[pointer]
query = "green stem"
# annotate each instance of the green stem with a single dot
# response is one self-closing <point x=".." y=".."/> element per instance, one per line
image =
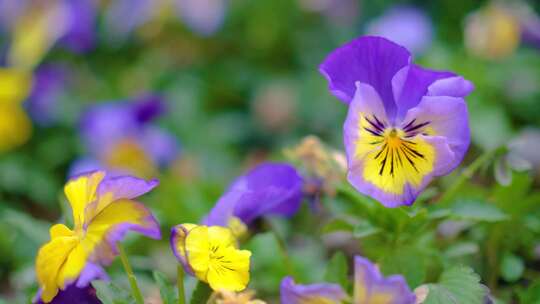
<point x="467" y="174"/>
<point x="180" y="285"/>
<point x="131" y="276"/>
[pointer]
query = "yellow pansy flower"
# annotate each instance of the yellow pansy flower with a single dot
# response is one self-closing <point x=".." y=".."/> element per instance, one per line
<point x="212" y="255"/>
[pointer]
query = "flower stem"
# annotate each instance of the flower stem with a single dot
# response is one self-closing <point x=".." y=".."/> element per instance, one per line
<point x="131" y="276"/>
<point x="468" y="173"/>
<point x="180" y="285"/>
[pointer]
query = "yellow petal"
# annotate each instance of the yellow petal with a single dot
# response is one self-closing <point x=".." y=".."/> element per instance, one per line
<point x="198" y="251"/>
<point x="80" y="192"/>
<point x="35" y="34"/>
<point x="229" y="269"/>
<point x="14" y="85"/>
<point x="220" y="237"/>
<point x="60" y="230"/>
<point x="50" y="259"/>
<point x="107" y="228"/>
<point x="15" y="126"/>
<point x="73" y="265"/>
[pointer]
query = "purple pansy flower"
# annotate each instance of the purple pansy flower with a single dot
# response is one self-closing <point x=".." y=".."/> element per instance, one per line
<point x="268" y="189"/>
<point x="80" y="34"/>
<point x="405" y="124"/>
<point x="370" y="287"/>
<point x="119" y="137"/>
<point x="48" y="86"/>
<point x="407" y="26"/>
<point x="292" y="293"/>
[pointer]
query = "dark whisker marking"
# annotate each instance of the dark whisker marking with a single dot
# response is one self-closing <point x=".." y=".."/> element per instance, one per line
<point x="376" y="142"/>
<point x="399" y="158"/>
<point x="383" y="162"/>
<point x="392" y="162"/>
<point x="376" y="126"/>
<point x="372" y="132"/>
<point x="416" y="127"/>
<point x="382" y="125"/>
<point x="413" y="151"/>
<point x="410" y="160"/>
<point x="381" y="151"/>
<point x="409" y="124"/>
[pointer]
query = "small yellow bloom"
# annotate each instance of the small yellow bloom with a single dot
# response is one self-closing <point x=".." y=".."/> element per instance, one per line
<point x="493" y="32"/>
<point x="211" y="254"/>
<point x="36" y="32"/>
<point x="15" y="126"/>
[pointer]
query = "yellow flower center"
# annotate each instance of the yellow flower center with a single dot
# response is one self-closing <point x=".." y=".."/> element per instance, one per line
<point x="394" y="156"/>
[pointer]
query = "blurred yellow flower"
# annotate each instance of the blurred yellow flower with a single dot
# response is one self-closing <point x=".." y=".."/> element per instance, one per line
<point x="229" y="297"/>
<point x="211" y="254"/>
<point x="36" y="32"/>
<point x="493" y="32"/>
<point x="15" y="126"/>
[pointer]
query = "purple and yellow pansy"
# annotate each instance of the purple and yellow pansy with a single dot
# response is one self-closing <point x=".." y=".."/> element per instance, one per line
<point x="103" y="212"/>
<point x="405" y="124"/>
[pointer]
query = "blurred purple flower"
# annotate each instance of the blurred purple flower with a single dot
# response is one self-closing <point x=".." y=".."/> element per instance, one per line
<point x="49" y="82"/>
<point x="268" y="189"/>
<point x="371" y="287"/>
<point x="81" y="33"/>
<point x="404" y="25"/>
<point x="204" y="17"/>
<point x="119" y="136"/>
<point x="292" y="293"/>
<point x="405" y="125"/>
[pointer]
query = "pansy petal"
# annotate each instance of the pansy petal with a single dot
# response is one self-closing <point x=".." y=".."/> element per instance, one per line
<point x="292" y="293"/>
<point x="178" y="244"/>
<point x="456" y="86"/>
<point x="371" y="287"/>
<point x="91" y="272"/>
<point x="197" y="249"/>
<point x="74" y="294"/>
<point x="161" y="147"/>
<point x="49" y="261"/>
<point x="231" y="272"/>
<point x="118" y="187"/>
<point x="370" y="60"/>
<point x="14" y="85"/>
<point x="112" y="223"/>
<point x="60" y="230"/>
<point x="410" y="89"/>
<point x="268" y="189"/>
<point x="448" y="117"/>
<point x="81" y="191"/>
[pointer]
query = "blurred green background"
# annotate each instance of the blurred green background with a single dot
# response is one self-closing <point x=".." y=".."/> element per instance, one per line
<point x="240" y="95"/>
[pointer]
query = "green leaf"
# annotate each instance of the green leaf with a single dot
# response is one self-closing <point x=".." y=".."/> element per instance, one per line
<point x="531" y="294"/>
<point x="201" y="294"/>
<point x="512" y="267"/>
<point x="364" y="229"/>
<point x="409" y="261"/>
<point x="478" y="211"/>
<point x="336" y="225"/>
<point x="457" y="285"/>
<point x="109" y="293"/>
<point x="337" y="270"/>
<point x="165" y="289"/>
